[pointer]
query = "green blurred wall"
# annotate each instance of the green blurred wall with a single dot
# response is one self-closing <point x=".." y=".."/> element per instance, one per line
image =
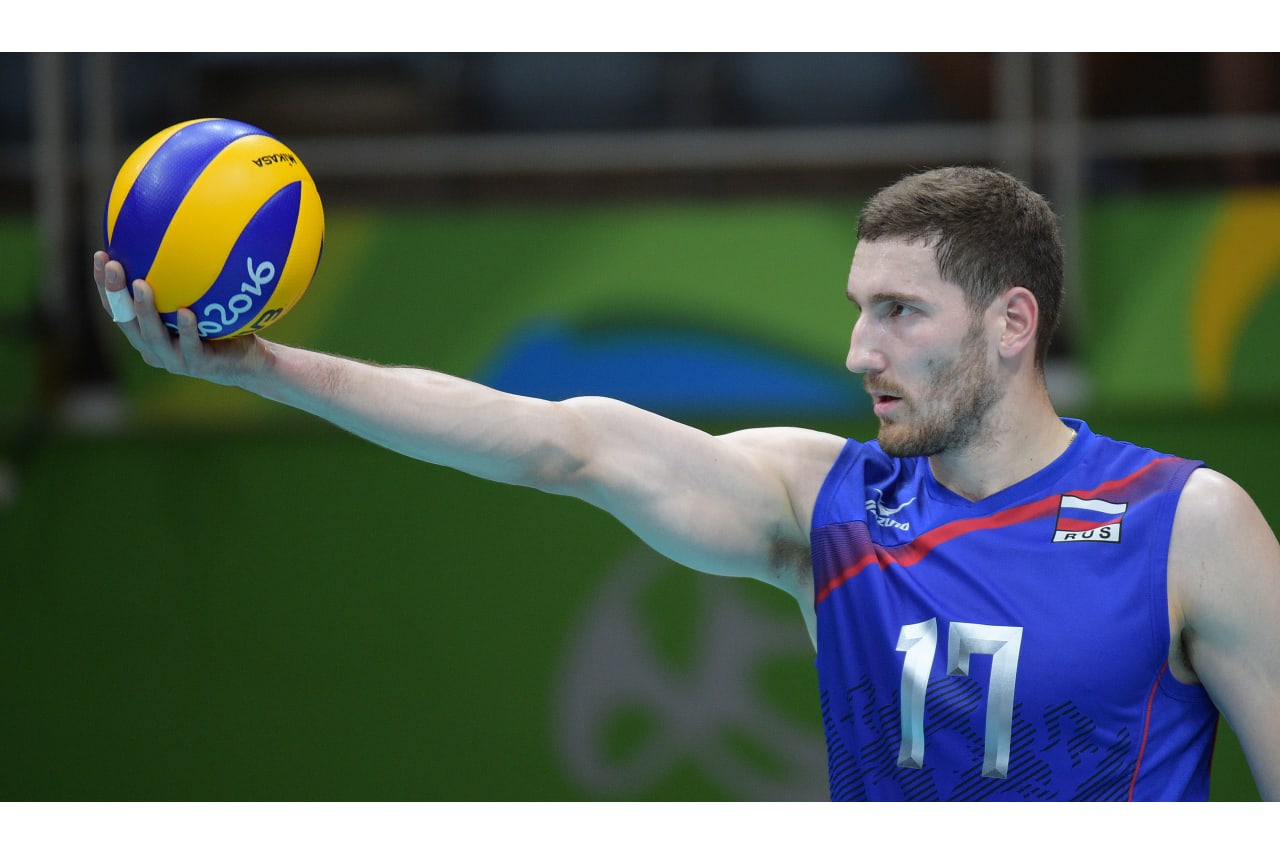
<point x="225" y="600"/>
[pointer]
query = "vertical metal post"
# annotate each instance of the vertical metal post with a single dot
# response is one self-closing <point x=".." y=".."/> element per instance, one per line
<point x="1066" y="176"/>
<point x="100" y="137"/>
<point x="51" y="146"/>
<point x="78" y="373"/>
<point x="1014" y="114"/>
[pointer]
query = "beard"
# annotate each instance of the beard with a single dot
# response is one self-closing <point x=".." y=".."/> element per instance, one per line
<point x="953" y="405"/>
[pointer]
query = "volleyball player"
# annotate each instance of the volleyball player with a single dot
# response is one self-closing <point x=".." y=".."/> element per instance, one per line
<point x="1004" y="604"/>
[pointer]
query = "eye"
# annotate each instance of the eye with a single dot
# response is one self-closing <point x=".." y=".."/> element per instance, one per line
<point x="898" y="309"/>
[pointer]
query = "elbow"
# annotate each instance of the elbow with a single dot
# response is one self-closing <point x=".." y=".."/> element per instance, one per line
<point x="551" y="468"/>
<point x="555" y="457"/>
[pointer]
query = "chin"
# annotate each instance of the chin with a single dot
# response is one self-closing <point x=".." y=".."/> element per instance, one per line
<point x="900" y="440"/>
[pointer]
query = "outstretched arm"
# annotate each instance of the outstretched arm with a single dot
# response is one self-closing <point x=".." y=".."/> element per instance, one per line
<point x="737" y="504"/>
<point x="1224" y="591"/>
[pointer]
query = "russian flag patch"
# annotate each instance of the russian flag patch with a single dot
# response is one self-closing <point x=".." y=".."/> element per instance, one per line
<point x="1081" y="520"/>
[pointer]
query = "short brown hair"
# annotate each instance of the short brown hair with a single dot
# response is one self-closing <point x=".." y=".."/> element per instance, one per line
<point x="989" y="231"/>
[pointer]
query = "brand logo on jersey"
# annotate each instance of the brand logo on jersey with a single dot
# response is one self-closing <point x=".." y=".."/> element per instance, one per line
<point x="1081" y="520"/>
<point x="884" y="514"/>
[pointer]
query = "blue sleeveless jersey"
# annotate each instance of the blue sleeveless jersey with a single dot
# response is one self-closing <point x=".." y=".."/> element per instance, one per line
<point x="1013" y="648"/>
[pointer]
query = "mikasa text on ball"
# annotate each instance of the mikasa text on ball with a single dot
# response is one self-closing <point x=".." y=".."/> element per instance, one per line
<point x="220" y="217"/>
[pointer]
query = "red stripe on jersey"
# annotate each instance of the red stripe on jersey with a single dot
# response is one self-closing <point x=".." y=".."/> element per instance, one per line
<point x="1146" y="730"/>
<point x="910" y="553"/>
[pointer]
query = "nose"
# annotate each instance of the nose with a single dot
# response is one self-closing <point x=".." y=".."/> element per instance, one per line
<point x="863" y="356"/>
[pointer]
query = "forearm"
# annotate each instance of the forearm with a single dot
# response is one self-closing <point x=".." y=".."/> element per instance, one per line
<point x="420" y="413"/>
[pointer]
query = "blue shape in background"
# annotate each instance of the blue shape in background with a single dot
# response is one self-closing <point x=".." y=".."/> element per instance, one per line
<point x="680" y="372"/>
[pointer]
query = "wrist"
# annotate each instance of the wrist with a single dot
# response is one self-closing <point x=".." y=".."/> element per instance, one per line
<point x="260" y="369"/>
<point x="289" y="375"/>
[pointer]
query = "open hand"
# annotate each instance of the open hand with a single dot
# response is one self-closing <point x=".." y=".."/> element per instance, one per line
<point x="226" y="362"/>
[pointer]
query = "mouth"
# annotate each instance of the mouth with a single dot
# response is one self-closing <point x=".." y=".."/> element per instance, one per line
<point x="884" y="404"/>
<point x="883" y="401"/>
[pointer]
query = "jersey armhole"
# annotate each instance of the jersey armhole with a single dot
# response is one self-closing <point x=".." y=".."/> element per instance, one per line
<point x="1171" y="494"/>
<point x="831" y="484"/>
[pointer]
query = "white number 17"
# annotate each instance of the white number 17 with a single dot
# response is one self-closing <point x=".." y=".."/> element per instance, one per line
<point x="920" y="642"/>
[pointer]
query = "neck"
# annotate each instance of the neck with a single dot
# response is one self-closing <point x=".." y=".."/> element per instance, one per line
<point x="1016" y="443"/>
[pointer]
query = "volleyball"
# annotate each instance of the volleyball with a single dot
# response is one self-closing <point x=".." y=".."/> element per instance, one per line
<point x="220" y="217"/>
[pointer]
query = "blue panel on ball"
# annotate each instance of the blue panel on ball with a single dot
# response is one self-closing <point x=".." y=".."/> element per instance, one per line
<point x="161" y="186"/>
<point x="253" y="269"/>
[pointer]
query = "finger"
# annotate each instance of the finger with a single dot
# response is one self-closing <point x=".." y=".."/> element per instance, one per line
<point x="119" y="301"/>
<point x="154" y="341"/>
<point x="100" y="260"/>
<point x="189" y="341"/>
<point x="100" y="278"/>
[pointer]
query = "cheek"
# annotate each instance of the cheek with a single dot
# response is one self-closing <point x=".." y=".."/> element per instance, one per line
<point x="934" y="367"/>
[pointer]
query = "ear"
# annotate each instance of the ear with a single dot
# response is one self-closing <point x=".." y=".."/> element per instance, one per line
<point x="1019" y="318"/>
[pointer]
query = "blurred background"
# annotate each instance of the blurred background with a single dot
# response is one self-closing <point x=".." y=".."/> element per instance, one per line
<point x="205" y="596"/>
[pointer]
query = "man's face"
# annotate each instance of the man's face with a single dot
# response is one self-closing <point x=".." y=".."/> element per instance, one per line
<point x="925" y="358"/>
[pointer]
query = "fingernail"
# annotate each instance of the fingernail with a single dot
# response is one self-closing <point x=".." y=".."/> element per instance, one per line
<point x="97" y="264"/>
<point x="113" y="275"/>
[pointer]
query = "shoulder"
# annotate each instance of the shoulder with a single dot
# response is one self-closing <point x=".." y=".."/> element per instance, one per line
<point x="800" y="458"/>
<point x="1224" y="559"/>
<point x="798" y="455"/>
<point x="1212" y="511"/>
<point x="794" y="444"/>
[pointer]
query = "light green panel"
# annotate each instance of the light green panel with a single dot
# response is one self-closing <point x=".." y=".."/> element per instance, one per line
<point x="1141" y="258"/>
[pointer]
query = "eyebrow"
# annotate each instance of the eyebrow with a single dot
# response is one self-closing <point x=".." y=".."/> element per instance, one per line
<point x="883" y="296"/>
